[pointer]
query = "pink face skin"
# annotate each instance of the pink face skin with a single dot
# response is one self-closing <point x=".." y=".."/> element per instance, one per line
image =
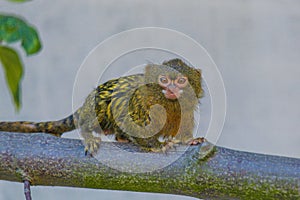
<point x="172" y="89"/>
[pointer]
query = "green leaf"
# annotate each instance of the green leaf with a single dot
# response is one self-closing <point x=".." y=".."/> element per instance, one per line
<point x="13" y="29"/>
<point x="19" y="1"/>
<point x="13" y="69"/>
<point x="30" y="43"/>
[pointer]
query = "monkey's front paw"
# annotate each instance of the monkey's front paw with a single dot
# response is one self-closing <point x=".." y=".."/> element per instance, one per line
<point x="196" y="141"/>
<point x="92" y="145"/>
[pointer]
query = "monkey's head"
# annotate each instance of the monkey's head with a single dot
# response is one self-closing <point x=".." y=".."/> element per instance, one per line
<point x="174" y="78"/>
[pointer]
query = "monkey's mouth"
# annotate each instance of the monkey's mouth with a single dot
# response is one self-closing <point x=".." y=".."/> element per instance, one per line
<point x="172" y="94"/>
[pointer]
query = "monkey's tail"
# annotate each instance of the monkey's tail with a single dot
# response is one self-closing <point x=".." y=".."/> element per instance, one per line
<point x="56" y="128"/>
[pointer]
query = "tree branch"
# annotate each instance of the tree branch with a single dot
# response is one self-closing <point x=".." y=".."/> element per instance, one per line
<point x="197" y="171"/>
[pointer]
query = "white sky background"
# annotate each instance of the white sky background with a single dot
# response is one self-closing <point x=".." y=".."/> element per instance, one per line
<point x="255" y="44"/>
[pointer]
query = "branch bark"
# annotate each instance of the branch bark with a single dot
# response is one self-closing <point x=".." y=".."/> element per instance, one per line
<point x="199" y="171"/>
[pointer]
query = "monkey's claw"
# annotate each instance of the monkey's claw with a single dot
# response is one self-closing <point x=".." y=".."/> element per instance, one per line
<point x="197" y="141"/>
<point x="172" y="144"/>
<point x="168" y="146"/>
<point x="92" y="145"/>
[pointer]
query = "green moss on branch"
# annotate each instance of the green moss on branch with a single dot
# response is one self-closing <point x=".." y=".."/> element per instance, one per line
<point x="198" y="171"/>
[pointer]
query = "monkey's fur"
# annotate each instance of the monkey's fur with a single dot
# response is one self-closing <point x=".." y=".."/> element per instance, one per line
<point x="125" y="107"/>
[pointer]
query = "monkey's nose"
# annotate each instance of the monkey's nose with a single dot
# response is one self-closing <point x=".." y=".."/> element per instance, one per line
<point x="172" y="87"/>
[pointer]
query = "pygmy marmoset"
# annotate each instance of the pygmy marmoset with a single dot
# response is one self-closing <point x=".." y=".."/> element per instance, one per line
<point x="138" y="108"/>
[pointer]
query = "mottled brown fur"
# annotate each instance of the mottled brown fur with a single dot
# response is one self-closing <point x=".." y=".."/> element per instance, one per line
<point x="127" y="107"/>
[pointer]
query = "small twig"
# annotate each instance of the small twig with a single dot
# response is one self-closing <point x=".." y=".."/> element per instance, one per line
<point x="27" y="190"/>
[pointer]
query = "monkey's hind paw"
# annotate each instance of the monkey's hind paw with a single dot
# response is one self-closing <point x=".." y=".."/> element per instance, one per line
<point x="168" y="145"/>
<point x="196" y="141"/>
<point x="92" y="145"/>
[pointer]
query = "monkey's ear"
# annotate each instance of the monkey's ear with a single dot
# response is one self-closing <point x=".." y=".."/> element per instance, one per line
<point x="150" y="73"/>
<point x="199" y="71"/>
<point x="148" y="67"/>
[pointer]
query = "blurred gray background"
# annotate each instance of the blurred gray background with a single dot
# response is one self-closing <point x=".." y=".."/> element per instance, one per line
<point x="255" y="45"/>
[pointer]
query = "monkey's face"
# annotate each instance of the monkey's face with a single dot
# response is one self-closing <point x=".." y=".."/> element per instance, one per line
<point x="172" y="85"/>
<point x="174" y="79"/>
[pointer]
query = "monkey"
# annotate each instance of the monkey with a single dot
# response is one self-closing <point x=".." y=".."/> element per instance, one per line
<point x="139" y="108"/>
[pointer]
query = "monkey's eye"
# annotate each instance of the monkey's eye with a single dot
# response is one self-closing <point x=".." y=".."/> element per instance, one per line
<point x="163" y="80"/>
<point x="181" y="80"/>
